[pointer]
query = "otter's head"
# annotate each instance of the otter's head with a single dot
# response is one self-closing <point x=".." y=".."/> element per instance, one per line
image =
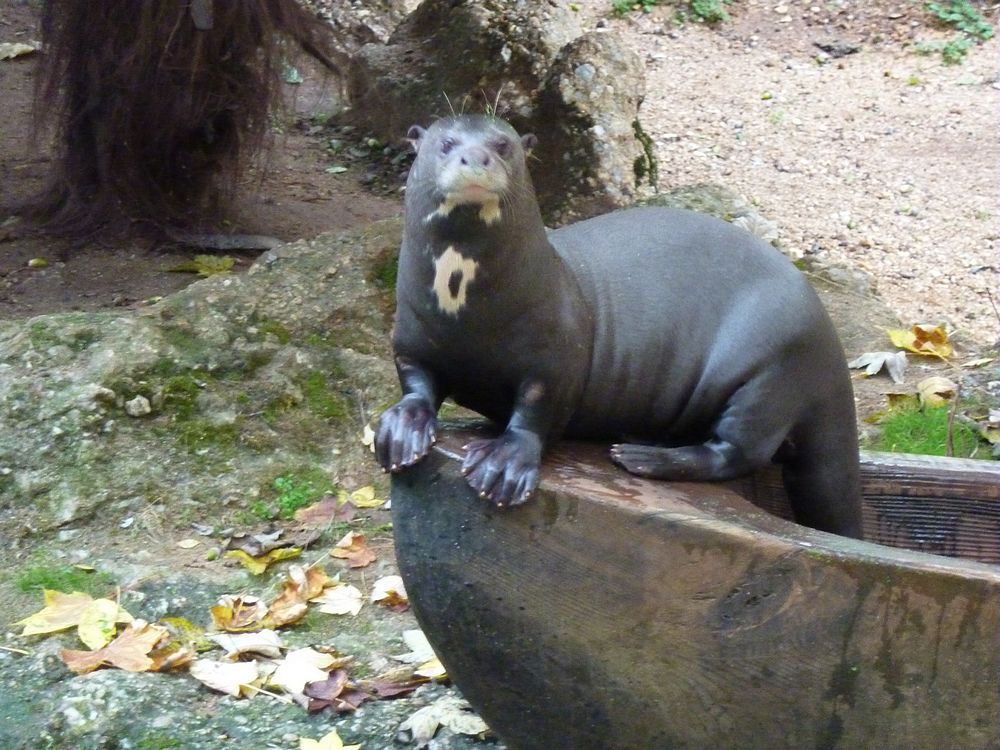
<point x="472" y="160"/>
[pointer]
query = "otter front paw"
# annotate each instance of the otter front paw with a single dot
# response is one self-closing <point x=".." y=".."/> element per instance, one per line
<point x="406" y="433"/>
<point x="504" y="470"/>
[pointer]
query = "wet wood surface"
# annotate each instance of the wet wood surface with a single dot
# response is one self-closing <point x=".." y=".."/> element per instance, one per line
<point x="615" y="612"/>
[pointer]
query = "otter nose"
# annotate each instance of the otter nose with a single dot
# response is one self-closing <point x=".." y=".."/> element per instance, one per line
<point x="476" y="156"/>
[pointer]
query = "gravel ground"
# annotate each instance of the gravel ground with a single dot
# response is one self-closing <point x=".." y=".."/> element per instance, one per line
<point x="883" y="159"/>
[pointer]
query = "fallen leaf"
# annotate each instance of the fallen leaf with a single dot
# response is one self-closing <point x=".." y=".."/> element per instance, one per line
<point x="227" y="677"/>
<point x="187" y="633"/>
<point x="10" y="50"/>
<point x="188" y="543"/>
<point x="365" y="498"/>
<point x="257" y="565"/>
<point x="329" y="741"/>
<point x="325" y="512"/>
<point x="354" y="550"/>
<point x="432" y="669"/>
<point x="206" y="265"/>
<point x="340" y="599"/>
<point x="894" y="363"/>
<point x="335" y="692"/>
<point x="256" y="545"/>
<point x="264" y="642"/>
<point x="299" y="667"/>
<point x="98" y="623"/>
<point x="922" y="339"/>
<point x="368" y="437"/>
<point x="390" y="592"/>
<point x="64" y="611"/>
<point x="935" y="391"/>
<point x="171" y="655"/>
<point x="420" y="647"/>
<point x="302" y="585"/>
<point x="129" y="651"/>
<point x="239" y="613"/>
<point x="450" y="711"/>
<point x="982" y="361"/>
<point x="395" y="684"/>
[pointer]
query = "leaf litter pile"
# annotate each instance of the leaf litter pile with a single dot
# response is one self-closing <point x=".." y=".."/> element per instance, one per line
<point x="254" y="659"/>
<point x="932" y="392"/>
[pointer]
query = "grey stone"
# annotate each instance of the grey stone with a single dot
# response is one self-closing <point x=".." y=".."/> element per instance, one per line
<point x="579" y="94"/>
<point x="263" y="371"/>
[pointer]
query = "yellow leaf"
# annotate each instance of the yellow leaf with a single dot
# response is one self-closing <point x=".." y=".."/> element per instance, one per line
<point x="258" y="565"/>
<point x="432" y="669"/>
<point x="98" y="623"/>
<point x="188" y="543"/>
<point x="330" y="741"/>
<point x="922" y="339"/>
<point x="61" y="612"/>
<point x="64" y="611"/>
<point x="365" y="498"/>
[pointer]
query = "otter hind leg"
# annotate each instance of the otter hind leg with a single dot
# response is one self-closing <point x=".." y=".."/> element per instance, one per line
<point x="713" y="461"/>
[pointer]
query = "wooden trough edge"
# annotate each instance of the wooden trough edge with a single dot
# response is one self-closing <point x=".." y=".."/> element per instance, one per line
<point x="612" y="611"/>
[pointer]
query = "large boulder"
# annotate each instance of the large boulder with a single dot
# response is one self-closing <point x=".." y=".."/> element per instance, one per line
<point x="530" y="63"/>
<point x="205" y="397"/>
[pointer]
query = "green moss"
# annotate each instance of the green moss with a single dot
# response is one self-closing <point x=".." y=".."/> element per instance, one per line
<point x="196" y="434"/>
<point x="65" y="578"/>
<point x="646" y="167"/>
<point x="180" y="394"/>
<point x="275" y="329"/>
<point x="293" y="490"/>
<point x="925" y="431"/>
<point x="320" y="399"/>
<point x="157" y="741"/>
<point x="43" y="336"/>
<point x="386" y="269"/>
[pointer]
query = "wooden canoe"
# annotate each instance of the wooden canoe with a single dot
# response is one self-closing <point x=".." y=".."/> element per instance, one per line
<point x="614" y="612"/>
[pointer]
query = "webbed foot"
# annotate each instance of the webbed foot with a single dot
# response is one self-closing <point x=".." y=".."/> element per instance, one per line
<point x="406" y="433"/>
<point x="504" y="470"/>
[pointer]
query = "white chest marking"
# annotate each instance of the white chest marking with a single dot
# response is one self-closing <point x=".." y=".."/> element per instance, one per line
<point x="489" y="211"/>
<point x="453" y="273"/>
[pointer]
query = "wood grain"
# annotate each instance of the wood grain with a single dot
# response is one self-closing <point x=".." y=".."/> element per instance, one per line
<point x="613" y="612"/>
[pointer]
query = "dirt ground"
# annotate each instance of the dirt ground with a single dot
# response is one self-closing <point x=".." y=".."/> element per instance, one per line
<point x="289" y="196"/>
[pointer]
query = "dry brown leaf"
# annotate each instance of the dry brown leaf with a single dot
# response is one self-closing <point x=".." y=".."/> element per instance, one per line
<point x="302" y="585"/>
<point x="390" y="592"/>
<point x="935" y="391"/>
<point x="129" y="651"/>
<point x="327" y="511"/>
<point x="238" y="613"/>
<point x="355" y="550"/>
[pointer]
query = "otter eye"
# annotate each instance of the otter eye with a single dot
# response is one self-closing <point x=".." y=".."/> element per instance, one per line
<point x="448" y="144"/>
<point x="502" y="147"/>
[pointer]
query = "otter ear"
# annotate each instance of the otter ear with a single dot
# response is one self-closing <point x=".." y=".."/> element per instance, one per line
<point x="528" y="142"/>
<point x="414" y="136"/>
